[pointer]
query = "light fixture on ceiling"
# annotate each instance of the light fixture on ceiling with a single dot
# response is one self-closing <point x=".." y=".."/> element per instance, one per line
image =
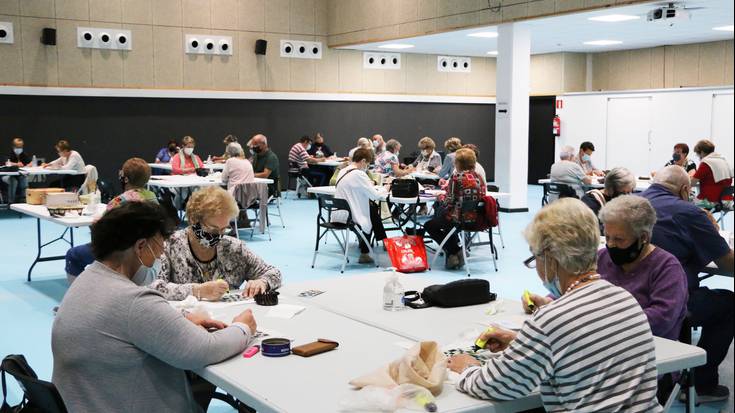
<point x="485" y="35"/>
<point x="493" y="53"/>
<point x="614" y="18"/>
<point x="724" y="28"/>
<point x="395" y="46"/>
<point x="603" y="42"/>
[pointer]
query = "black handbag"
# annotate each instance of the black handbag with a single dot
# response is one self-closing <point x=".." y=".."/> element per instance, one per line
<point x="458" y="293"/>
<point x="12" y="168"/>
<point x="404" y="188"/>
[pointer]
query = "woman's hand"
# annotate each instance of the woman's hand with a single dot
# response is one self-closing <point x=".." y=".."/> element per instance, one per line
<point x="246" y="317"/>
<point x="211" y="290"/>
<point x="538" y="300"/>
<point x="255" y="287"/>
<point x="206" y="323"/>
<point x="497" y="339"/>
<point x="458" y="363"/>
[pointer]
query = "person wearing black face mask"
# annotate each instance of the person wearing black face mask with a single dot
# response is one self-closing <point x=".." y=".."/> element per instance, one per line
<point x="681" y="157"/>
<point x="265" y="162"/>
<point x="167" y="152"/>
<point x="202" y="260"/>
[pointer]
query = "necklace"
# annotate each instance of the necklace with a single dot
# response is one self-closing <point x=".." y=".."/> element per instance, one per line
<point x="582" y="280"/>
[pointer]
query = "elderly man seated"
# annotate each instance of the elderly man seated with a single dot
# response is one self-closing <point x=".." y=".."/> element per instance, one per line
<point x="566" y="171"/>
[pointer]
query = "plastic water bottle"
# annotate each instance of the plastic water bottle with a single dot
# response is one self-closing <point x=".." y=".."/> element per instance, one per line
<point x="393" y="293"/>
<point x="34" y="161"/>
<point x="209" y="159"/>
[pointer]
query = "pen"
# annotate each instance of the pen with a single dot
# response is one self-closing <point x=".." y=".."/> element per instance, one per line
<point x="480" y="343"/>
<point x="529" y="301"/>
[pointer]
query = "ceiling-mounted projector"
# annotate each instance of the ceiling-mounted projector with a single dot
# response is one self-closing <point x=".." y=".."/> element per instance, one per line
<point x="670" y="13"/>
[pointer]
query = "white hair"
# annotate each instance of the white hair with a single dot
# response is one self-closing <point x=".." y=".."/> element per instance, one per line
<point x="619" y="180"/>
<point x="673" y="177"/>
<point x="633" y="211"/>
<point x="234" y="149"/>
<point x="364" y="143"/>
<point x="566" y="153"/>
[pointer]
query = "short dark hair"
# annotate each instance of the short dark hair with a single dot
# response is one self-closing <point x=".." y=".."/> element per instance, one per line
<point x="683" y="147"/>
<point x="305" y="138"/>
<point x="587" y="146"/>
<point x="63" y="145"/>
<point x="172" y="141"/>
<point x="704" y="146"/>
<point x="363" y="153"/>
<point x="120" y="228"/>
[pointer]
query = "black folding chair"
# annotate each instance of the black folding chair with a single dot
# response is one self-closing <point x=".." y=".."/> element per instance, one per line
<point x="38" y="395"/>
<point x="554" y="191"/>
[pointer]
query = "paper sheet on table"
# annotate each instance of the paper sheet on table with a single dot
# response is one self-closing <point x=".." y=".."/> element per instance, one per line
<point x="285" y="311"/>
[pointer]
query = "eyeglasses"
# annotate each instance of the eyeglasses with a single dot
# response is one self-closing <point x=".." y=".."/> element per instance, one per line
<point x="530" y="262"/>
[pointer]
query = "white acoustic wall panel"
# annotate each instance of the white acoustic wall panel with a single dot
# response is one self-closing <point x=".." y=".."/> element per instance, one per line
<point x="6" y="32"/>
<point x="100" y="38"/>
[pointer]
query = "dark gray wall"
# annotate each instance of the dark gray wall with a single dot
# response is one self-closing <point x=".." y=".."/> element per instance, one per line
<point x="107" y="131"/>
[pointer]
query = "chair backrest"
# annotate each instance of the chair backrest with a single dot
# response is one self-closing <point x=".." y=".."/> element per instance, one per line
<point x="560" y="190"/>
<point x="294" y="168"/>
<point x="329" y="204"/>
<point x="493" y="188"/>
<point x="727" y="193"/>
<point x="40" y="395"/>
<point x="479" y="222"/>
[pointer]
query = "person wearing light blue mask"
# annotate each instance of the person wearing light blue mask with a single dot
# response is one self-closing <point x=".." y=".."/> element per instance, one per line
<point x="17" y="184"/>
<point x="147" y="273"/>
<point x="584" y="159"/>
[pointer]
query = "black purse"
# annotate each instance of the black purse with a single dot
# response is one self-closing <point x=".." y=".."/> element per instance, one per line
<point x="458" y="293"/>
<point x="404" y="188"/>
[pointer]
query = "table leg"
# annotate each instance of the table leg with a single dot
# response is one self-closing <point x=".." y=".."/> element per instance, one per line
<point x="40" y="246"/>
<point x="692" y="393"/>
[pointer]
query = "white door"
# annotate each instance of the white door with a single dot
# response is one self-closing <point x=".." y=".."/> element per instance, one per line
<point x="723" y="131"/>
<point x="628" y="140"/>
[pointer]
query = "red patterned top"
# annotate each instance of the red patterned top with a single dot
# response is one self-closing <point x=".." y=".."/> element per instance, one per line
<point x="462" y="187"/>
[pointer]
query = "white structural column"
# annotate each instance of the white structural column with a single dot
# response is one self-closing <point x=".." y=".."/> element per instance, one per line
<point x="511" y="114"/>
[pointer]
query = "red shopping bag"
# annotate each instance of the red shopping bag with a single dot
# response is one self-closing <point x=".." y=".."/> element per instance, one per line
<point x="407" y="253"/>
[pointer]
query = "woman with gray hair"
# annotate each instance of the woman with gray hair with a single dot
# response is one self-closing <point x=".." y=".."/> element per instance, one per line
<point x="619" y="181"/>
<point x="589" y="350"/>
<point x="238" y="170"/>
<point x="653" y="276"/>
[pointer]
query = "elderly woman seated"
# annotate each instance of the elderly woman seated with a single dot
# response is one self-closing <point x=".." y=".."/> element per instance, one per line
<point x="202" y="261"/>
<point x="590" y="350"/>
<point x="619" y="181"/>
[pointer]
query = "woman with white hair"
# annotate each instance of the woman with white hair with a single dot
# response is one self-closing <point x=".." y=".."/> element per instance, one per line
<point x="590" y="350"/>
<point x="619" y="181"/>
<point x="238" y="170"/>
<point x="361" y="143"/>
<point x="629" y="260"/>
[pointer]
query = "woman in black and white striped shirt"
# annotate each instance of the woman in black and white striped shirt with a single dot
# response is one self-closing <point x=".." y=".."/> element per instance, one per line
<point x="591" y="350"/>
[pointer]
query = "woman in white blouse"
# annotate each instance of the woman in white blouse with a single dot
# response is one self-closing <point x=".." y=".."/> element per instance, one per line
<point x="68" y="159"/>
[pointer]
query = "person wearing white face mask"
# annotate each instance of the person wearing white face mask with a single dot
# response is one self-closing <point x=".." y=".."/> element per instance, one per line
<point x="429" y="160"/>
<point x="186" y="162"/>
<point x="584" y="159"/>
<point x="589" y="350"/>
<point x="19" y="183"/>
<point x="378" y="144"/>
<point x="108" y="323"/>
<point x="298" y="157"/>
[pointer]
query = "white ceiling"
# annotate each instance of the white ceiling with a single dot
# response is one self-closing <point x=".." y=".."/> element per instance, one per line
<point x="566" y="33"/>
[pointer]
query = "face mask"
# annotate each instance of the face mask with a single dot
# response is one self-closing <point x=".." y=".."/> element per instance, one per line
<point x="554" y="287"/>
<point x="206" y="239"/>
<point x="426" y="152"/>
<point x="255" y="149"/>
<point x="376" y="144"/>
<point x="621" y="256"/>
<point x="123" y="182"/>
<point x="308" y="147"/>
<point x="676" y="157"/>
<point x="586" y="158"/>
<point x="188" y="151"/>
<point x="18" y="151"/>
<point x="146" y="275"/>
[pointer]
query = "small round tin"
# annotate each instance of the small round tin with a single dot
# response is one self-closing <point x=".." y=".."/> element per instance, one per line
<point x="275" y="347"/>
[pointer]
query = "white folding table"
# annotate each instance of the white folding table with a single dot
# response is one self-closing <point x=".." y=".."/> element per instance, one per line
<point x="40" y="212"/>
<point x="167" y="166"/>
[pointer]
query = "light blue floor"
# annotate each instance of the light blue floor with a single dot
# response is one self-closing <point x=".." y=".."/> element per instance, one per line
<point x="26" y="308"/>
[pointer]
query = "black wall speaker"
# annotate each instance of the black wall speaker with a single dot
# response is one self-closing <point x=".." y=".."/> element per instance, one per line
<point x="260" y="46"/>
<point x="48" y="36"/>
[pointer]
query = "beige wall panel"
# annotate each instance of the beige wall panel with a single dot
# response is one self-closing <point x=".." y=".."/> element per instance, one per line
<point x="546" y="73"/>
<point x="390" y="12"/>
<point x="600" y="71"/>
<point x="427" y="9"/>
<point x="350" y="71"/>
<point x="729" y="62"/>
<point x="686" y="65"/>
<point x="167" y="12"/>
<point x="198" y="71"/>
<point x="566" y="5"/>
<point x="457" y="83"/>
<point x="302" y="19"/>
<point x="436" y="82"/>
<point x="321" y="16"/>
<point x="137" y="11"/>
<point x="488" y="16"/>
<point x="105" y="10"/>
<point x="382" y="32"/>
<point x="638" y="69"/>
<point x="226" y="69"/>
<point x="515" y="12"/>
<point x="617" y="76"/>
<point x="277" y="16"/>
<point x="447" y="7"/>
<point x="372" y="80"/>
<point x="575" y="72"/>
<point x="75" y="68"/>
<point x="302" y="71"/>
<point x="541" y="7"/>
<point x="107" y="65"/>
<point x="327" y="71"/>
<point x="11" y="55"/>
<point x="332" y="14"/>
<point x="252" y="15"/>
<point x="138" y="63"/>
<point x="72" y="9"/>
<point x="395" y="80"/>
<point x="657" y="67"/>
<point x="596" y="3"/>
<point x="225" y="15"/>
<point x="427" y="26"/>
<point x="408" y="11"/>
<point x="417" y="71"/>
<point x="712" y="64"/>
<point x="10" y="7"/>
<point x="40" y="62"/>
<point x="668" y="66"/>
<point x="407" y="29"/>
<point x="251" y="66"/>
<point x="277" y="69"/>
<point x="37" y="8"/>
<point x="197" y="13"/>
<point x="168" y="57"/>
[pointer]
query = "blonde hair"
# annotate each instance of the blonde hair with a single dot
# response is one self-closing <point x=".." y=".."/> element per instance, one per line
<point x="452" y="144"/>
<point x="427" y="143"/>
<point x="465" y="159"/>
<point x="187" y="140"/>
<point x="209" y="202"/>
<point x="567" y="229"/>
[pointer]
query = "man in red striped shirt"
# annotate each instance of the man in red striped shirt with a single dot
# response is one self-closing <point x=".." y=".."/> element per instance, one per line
<point x="298" y="157"/>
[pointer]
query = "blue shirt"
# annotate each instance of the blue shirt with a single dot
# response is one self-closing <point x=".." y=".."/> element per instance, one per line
<point x="77" y="259"/>
<point x="684" y="230"/>
<point x="164" y="155"/>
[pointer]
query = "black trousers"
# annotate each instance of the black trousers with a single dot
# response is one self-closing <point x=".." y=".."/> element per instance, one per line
<point x="378" y="228"/>
<point x="713" y="310"/>
<point x="438" y="227"/>
<point x="315" y="176"/>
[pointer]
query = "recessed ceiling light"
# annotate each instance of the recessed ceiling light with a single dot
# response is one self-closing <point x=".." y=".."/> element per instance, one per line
<point x="614" y="18"/>
<point x="493" y="53"/>
<point x="395" y="46"/>
<point x="486" y="35"/>
<point x="724" y="28"/>
<point x="603" y="42"/>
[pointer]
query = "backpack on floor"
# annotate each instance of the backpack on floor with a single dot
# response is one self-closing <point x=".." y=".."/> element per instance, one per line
<point x="39" y="396"/>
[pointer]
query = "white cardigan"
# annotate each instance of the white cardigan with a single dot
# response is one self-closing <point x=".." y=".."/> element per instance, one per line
<point x="358" y="190"/>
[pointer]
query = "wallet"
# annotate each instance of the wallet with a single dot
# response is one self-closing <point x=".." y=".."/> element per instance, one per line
<point x="320" y="346"/>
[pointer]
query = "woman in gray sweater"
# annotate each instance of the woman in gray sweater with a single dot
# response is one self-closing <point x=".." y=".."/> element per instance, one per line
<point x="121" y="347"/>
